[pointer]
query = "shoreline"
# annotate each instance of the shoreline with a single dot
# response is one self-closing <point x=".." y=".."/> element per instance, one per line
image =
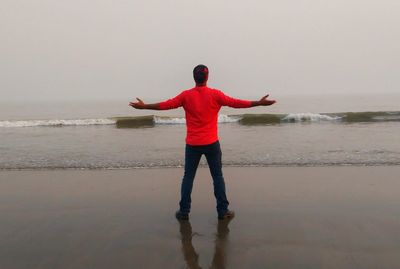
<point x="395" y="164"/>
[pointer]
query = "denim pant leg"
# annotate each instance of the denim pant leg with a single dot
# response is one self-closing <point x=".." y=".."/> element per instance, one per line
<point x="192" y="159"/>
<point x="214" y="160"/>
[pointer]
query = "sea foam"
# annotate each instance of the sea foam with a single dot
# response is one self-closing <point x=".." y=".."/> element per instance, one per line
<point x="181" y="120"/>
<point x="299" y="117"/>
<point x="55" y="122"/>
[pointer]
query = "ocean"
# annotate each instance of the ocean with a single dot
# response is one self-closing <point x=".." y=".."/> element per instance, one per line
<point x="303" y="130"/>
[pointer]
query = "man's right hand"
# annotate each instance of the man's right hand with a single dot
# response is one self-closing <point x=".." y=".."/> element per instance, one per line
<point x="264" y="102"/>
<point x="138" y="105"/>
<point x="141" y="105"/>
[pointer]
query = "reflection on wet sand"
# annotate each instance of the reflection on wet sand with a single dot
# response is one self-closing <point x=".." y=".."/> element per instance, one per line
<point x="306" y="217"/>
<point x="189" y="253"/>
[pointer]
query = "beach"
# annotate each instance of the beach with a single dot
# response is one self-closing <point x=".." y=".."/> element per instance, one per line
<point x="103" y="104"/>
<point x="286" y="217"/>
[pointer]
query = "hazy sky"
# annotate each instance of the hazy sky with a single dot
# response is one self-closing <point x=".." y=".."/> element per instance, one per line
<point x="82" y="49"/>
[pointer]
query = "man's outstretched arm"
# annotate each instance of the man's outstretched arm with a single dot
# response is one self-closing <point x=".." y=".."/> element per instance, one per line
<point x="226" y="100"/>
<point x="168" y="104"/>
<point x="141" y="105"/>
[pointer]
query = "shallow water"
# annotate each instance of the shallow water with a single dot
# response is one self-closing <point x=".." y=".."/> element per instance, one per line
<point x="163" y="146"/>
<point x="86" y="136"/>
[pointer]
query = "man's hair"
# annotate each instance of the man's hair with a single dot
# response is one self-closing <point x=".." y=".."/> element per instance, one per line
<point x="200" y="73"/>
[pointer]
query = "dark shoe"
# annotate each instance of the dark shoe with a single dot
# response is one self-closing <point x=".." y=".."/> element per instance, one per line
<point x="228" y="215"/>
<point x="181" y="216"/>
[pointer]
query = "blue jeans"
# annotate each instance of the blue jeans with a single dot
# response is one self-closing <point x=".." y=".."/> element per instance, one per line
<point x="192" y="158"/>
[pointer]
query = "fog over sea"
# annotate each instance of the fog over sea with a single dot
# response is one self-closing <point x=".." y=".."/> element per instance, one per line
<point x="306" y="130"/>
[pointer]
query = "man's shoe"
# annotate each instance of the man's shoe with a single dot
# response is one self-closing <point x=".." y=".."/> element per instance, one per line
<point x="181" y="216"/>
<point x="228" y="215"/>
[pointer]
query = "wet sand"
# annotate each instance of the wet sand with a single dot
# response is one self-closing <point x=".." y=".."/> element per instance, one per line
<point x="321" y="217"/>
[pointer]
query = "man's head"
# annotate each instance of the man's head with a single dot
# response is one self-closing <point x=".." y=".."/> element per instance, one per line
<point x="200" y="74"/>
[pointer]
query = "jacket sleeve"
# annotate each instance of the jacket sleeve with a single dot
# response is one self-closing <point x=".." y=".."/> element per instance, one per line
<point x="172" y="103"/>
<point x="225" y="100"/>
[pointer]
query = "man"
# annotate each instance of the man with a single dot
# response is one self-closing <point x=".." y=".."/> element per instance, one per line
<point x="201" y="105"/>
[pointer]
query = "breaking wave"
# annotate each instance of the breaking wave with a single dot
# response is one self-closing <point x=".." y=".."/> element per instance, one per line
<point x="244" y="119"/>
<point x="170" y="120"/>
<point x="309" y="117"/>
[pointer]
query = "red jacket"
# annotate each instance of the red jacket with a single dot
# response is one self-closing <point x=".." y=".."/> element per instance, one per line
<point x="202" y="105"/>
